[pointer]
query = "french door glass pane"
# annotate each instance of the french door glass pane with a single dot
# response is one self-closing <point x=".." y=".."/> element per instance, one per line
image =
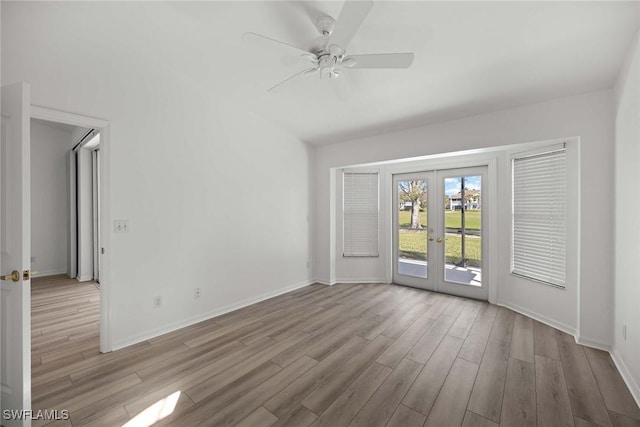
<point x="412" y="228"/>
<point x="463" y="230"/>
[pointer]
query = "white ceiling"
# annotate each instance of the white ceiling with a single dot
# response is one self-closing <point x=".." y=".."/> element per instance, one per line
<point x="470" y="57"/>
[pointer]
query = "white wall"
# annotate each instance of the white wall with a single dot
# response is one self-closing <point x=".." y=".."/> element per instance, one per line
<point x="49" y="198"/>
<point x="85" y="214"/>
<point x="217" y="198"/>
<point x="627" y="221"/>
<point x="588" y="116"/>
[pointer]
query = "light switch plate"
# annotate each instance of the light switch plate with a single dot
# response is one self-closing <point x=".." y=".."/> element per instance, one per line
<point x="121" y="226"/>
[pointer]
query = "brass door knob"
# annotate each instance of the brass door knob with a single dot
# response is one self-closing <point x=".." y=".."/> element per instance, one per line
<point x="14" y="276"/>
<point x="439" y="240"/>
<point x="431" y="239"/>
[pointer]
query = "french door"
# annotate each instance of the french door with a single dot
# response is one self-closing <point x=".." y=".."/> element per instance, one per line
<point x="438" y="229"/>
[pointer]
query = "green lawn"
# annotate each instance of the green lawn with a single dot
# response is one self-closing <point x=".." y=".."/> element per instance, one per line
<point x="452" y="219"/>
<point x="413" y="246"/>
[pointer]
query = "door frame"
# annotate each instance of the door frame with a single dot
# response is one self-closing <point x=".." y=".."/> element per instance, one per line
<point x="104" y="127"/>
<point x="449" y="161"/>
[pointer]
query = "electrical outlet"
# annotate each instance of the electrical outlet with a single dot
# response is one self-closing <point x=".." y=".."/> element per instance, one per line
<point x="624" y="332"/>
<point x="196" y="293"/>
<point x="121" y="226"/>
<point x="157" y="302"/>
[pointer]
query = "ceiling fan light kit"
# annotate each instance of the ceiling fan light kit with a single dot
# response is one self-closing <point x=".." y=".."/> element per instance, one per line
<point x="329" y="60"/>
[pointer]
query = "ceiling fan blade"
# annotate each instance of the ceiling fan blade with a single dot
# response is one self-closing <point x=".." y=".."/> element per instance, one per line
<point x="270" y="43"/>
<point x="295" y="76"/>
<point x="351" y="17"/>
<point x="380" y="60"/>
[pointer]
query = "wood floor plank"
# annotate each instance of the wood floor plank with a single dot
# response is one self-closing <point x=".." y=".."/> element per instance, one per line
<point x="486" y="397"/>
<point x="111" y="417"/>
<point x="545" y="341"/>
<point x="619" y="420"/>
<point x="614" y="391"/>
<point x="243" y="406"/>
<point x="401" y="346"/>
<point x="406" y="417"/>
<point x="349" y="402"/>
<point x="552" y="398"/>
<point x="397" y="328"/>
<point x="586" y="402"/>
<point x="39" y="392"/>
<point x="465" y="321"/>
<point x="519" y="402"/>
<point x="450" y="406"/>
<point x="258" y="418"/>
<point x="424" y="390"/>
<point x="298" y="417"/>
<point x="386" y="399"/>
<point x="522" y="339"/>
<point x="473" y="347"/>
<point x="212" y="384"/>
<point x="74" y="399"/>
<point x="579" y="422"/>
<point x="438" y="306"/>
<point x="475" y="420"/>
<point x="289" y="398"/>
<point x="322" y="397"/>
<point x="502" y="325"/>
<point x="231" y="387"/>
<point x="426" y="345"/>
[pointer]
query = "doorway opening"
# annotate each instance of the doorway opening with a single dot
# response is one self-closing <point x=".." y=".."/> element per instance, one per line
<point x="65" y="213"/>
<point x="90" y="149"/>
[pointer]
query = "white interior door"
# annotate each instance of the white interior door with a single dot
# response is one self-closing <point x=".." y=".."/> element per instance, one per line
<point x="15" y="237"/>
<point x="439" y="221"/>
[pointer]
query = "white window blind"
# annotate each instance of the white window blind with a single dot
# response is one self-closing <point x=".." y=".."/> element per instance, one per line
<point x="539" y="217"/>
<point x="360" y="210"/>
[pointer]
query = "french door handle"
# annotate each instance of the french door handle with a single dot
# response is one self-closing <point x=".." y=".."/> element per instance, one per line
<point x="439" y="240"/>
<point x="431" y="239"/>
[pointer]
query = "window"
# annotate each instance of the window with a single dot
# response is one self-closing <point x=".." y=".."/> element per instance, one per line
<point x="360" y="210"/>
<point x="539" y="216"/>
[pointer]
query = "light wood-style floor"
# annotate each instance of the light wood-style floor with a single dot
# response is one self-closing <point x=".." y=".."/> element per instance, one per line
<point x="359" y="355"/>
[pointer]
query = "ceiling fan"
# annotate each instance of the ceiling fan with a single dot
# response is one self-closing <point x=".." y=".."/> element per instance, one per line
<point x="330" y="57"/>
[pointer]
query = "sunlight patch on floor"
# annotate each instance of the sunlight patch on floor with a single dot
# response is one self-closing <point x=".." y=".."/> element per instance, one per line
<point x="154" y="413"/>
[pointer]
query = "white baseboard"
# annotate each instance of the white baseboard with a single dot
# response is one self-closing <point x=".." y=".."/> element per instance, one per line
<point x="589" y="342"/>
<point x="85" y="278"/>
<point x="46" y="273"/>
<point x="204" y="316"/>
<point x="580" y="339"/>
<point x="361" y="281"/>
<point x="539" y="317"/>
<point x="351" y="281"/>
<point x="631" y="383"/>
